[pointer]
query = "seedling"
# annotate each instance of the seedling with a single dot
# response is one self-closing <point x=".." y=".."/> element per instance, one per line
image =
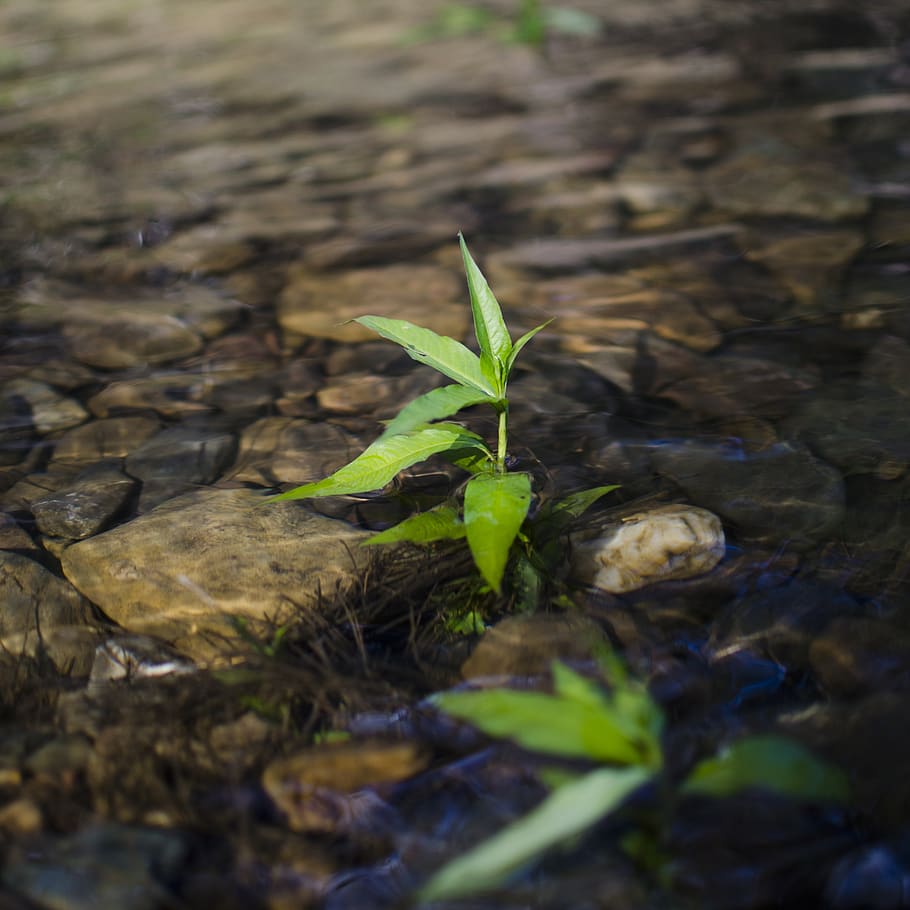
<point x="619" y="728"/>
<point x="496" y="501"/>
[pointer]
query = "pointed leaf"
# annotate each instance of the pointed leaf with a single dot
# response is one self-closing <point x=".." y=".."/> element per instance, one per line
<point x="516" y="349"/>
<point x="576" y="504"/>
<point x="450" y="357"/>
<point x="545" y="723"/>
<point x="441" y="523"/>
<point x="379" y="463"/>
<point x="772" y="763"/>
<point x="568" y="811"/>
<point x="489" y="326"/>
<point x="495" y="505"/>
<point x="434" y="405"/>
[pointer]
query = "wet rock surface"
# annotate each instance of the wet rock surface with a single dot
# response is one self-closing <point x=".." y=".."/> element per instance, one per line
<point x="709" y="199"/>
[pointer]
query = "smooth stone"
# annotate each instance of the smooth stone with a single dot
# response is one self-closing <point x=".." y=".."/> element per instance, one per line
<point x="669" y="542"/>
<point x="174" y="396"/>
<point x="183" y="454"/>
<point x="105" y="866"/>
<point x="860" y="427"/>
<point x="318" y="306"/>
<point x="811" y="265"/>
<point x="771" y="175"/>
<point x="187" y="567"/>
<point x="136" y="657"/>
<point x="95" y="498"/>
<point x="779" y="494"/>
<point x="527" y="645"/>
<point x="324" y="788"/>
<point x="36" y="602"/>
<point x="859" y="655"/>
<point x="112" y="437"/>
<point x="13" y="536"/>
<point x="275" y="450"/>
<point x="20" y="817"/>
<point x="51" y="411"/>
<point x="379" y="396"/>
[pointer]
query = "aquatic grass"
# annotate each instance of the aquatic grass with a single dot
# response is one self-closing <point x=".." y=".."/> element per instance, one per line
<point x="495" y="503"/>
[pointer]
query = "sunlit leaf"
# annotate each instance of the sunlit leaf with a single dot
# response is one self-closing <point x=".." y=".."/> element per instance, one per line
<point x="544" y="723"/>
<point x="567" y="812"/>
<point x="569" y="684"/>
<point x="516" y="349"/>
<point x="450" y="357"/>
<point x="441" y="523"/>
<point x="489" y="326"/>
<point x="379" y="463"/>
<point x="770" y="763"/>
<point x="434" y="405"/>
<point x="495" y="505"/>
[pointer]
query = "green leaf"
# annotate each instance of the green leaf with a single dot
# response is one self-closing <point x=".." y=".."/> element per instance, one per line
<point x="445" y="354"/>
<point x="545" y="723"/>
<point x="495" y="505"/>
<point x="434" y="405"/>
<point x="378" y="464"/>
<point x="571" y="685"/>
<point x="489" y="326"/>
<point x="516" y="349"/>
<point x="441" y="523"/>
<point x="567" y="812"/>
<point x="573" y="22"/>
<point x="771" y="763"/>
<point x="576" y="504"/>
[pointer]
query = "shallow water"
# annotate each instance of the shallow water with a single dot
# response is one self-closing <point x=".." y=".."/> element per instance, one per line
<point x="710" y="199"/>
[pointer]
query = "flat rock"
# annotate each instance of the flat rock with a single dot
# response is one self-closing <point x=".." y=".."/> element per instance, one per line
<point x="779" y="494"/>
<point x="113" y="437"/>
<point x="186" y="567"/>
<point x="669" y="542"/>
<point x="96" y="496"/>
<point x="527" y="645"/>
<point x="51" y="411"/>
<point x="318" y="305"/>
<point x="35" y="604"/>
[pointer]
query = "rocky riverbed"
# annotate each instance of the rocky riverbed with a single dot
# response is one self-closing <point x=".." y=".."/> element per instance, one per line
<point x="712" y="201"/>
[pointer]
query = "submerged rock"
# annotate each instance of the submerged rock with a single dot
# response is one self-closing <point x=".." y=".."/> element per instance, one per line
<point x="184" y="569"/>
<point x="670" y="542"/>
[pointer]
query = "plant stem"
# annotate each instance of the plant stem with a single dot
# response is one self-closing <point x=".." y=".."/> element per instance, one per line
<point x="501" y="444"/>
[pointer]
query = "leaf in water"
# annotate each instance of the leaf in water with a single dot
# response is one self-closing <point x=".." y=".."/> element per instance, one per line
<point x="567" y="812"/>
<point x="771" y="763"/>
<point x="489" y="326"/>
<point x="445" y="354"/>
<point x="516" y="350"/>
<point x="576" y="504"/>
<point x="441" y="523"/>
<point x="434" y="405"/>
<point x="495" y="505"/>
<point x="378" y="464"/>
<point x="545" y="723"/>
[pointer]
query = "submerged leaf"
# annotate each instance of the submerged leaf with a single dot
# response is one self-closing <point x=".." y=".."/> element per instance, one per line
<point x="378" y="464"/>
<point x="568" y="811"/>
<point x="771" y="763"/>
<point x="434" y="405"/>
<point x="489" y="326"/>
<point x="445" y="354"/>
<point x="545" y="723"/>
<point x="495" y="505"/>
<point x="576" y="504"/>
<point x="441" y="523"/>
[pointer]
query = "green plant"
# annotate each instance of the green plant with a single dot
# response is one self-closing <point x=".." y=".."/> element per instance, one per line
<point x="496" y="501"/>
<point x="620" y="728"/>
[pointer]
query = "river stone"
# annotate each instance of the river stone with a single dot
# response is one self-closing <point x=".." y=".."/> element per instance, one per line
<point x="527" y="645"/>
<point x="669" y="542"/>
<point x="95" y="497"/>
<point x="51" y="411"/>
<point x="183" y="454"/>
<point x="771" y="176"/>
<point x="36" y="603"/>
<point x="780" y="494"/>
<point x="184" y="568"/>
<point x="319" y="305"/>
<point x="112" y="437"/>
<point x="276" y="450"/>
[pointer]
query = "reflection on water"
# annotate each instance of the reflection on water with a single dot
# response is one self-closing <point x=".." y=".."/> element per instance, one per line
<point x="710" y="199"/>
